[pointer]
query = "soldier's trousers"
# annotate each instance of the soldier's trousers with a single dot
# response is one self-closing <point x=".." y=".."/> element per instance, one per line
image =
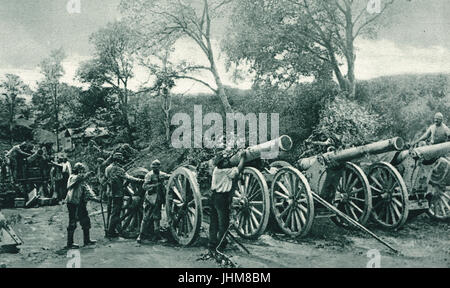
<point x="116" y="208"/>
<point x="219" y="218"/>
<point x="151" y="218"/>
<point x="78" y="213"/>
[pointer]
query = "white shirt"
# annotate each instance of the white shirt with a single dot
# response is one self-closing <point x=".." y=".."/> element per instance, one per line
<point x="222" y="179"/>
<point x="67" y="168"/>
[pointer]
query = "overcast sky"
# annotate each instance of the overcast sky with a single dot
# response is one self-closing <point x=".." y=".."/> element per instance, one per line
<point x="416" y="41"/>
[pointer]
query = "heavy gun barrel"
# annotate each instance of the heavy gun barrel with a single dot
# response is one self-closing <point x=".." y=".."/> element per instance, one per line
<point x="283" y="143"/>
<point x="431" y="151"/>
<point x="345" y="155"/>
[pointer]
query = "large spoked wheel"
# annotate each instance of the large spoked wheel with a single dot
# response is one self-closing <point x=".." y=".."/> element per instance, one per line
<point x="184" y="206"/>
<point x="132" y="210"/>
<point x="292" y="202"/>
<point x="439" y="179"/>
<point x="251" y="204"/>
<point x="389" y="196"/>
<point x="353" y="195"/>
<point x="131" y="216"/>
<point x="440" y="204"/>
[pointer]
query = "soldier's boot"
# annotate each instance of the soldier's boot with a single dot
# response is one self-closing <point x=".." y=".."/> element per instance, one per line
<point x="70" y="244"/>
<point x="87" y="239"/>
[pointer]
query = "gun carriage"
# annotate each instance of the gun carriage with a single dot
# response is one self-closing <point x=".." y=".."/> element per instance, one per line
<point x="422" y="171"/>
<point x="186" y="199"/>
<point x="336" y="183"/>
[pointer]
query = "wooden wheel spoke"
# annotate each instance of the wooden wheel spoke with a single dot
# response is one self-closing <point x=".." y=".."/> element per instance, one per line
<point x="253" y="209"/>
<point x="352" y="211"/>
<point x="397" y="212"/>
<point x="398" y="203"/>
<point x="444" y="201"/>
<point x="178" y="194"/>
<point x="288" y="182"/>
<point x="286" y="210"/>
<point x="283" y="188"/>
<point x="301" y="207"/>
<point x="375" y="180"/>
<point x="356" y="207"/>
<point x="353" y="184"/>
<point x="281" y="195"/>
<point x="256" y="202"/>
<point x="357" y="199"/>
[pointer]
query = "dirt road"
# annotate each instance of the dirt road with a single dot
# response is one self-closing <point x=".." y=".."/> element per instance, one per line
<point x="423" y="243"/>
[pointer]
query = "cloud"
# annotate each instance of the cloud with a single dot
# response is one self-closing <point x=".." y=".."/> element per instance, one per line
<point x="383" y="57"/>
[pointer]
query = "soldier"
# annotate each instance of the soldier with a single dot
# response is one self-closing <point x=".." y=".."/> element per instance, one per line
<point x="77" y="198"/>
<point x="3" y="165"/>
<point x="115" y="176"/>
<point x="57" y="180"/>
<point x="16" y="158"/>
<point x="153" y="201"/>
<point x="66" y="172"/>
<point x="436" y="133"/>
<point x="224" y="182"/>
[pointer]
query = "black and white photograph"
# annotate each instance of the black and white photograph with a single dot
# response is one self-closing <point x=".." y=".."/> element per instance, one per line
<point x="224" y="134"/>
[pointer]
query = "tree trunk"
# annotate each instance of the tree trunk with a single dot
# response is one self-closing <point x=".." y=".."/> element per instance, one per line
<point x="221" y="90"/>
<point x="126" y="123"/>
<point x="11" y="121"/>
<point x="350" y="53"/>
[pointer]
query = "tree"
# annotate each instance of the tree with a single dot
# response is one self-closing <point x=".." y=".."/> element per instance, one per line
<point x="67" y="109"/>
<point x="162" y="22"/>
<point x="113" y="64"/>
<point x="12" y="87"/>
<point x="53" y="70"/>
<point x="326" y="30"/>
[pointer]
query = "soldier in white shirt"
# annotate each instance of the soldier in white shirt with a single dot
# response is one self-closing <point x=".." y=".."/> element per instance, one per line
<point x="224" y="181"/>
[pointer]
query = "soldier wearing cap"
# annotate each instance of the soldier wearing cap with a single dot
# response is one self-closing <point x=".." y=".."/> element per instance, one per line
<point x="153" y="201"/>
<point x="224" y="182"/>
<point x="437" y="133"/>
<point x="115" y="176"/>
<point x="77" y="197"/>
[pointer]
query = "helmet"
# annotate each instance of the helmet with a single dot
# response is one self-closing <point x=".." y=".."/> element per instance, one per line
<point x="439" y="116"/>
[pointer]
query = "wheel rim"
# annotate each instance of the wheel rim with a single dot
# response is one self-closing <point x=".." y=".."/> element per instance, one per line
<point x="251" y="204"/>
<point x="389" y="195"/>
<point x="353" y="195"/>
<point x="183" y="206"/>
<point x="292" y="202"/>
<point x="440" y="204"/>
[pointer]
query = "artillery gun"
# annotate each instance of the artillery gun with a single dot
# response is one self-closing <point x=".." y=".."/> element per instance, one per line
<point x="186" y="199"/>
<point x="421" y="171"/>
<point x="334" y="180"/>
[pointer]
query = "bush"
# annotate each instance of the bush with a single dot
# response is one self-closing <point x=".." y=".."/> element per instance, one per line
<point x="352" y="123"/>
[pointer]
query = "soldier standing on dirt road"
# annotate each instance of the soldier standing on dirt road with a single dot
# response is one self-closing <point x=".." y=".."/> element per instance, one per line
<point x="153" y="201"/>
<point x="224" y="182"/>
<point x="77" y="198"/>
<point x="115" y="176"/>
<point x="66" y="172"/>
